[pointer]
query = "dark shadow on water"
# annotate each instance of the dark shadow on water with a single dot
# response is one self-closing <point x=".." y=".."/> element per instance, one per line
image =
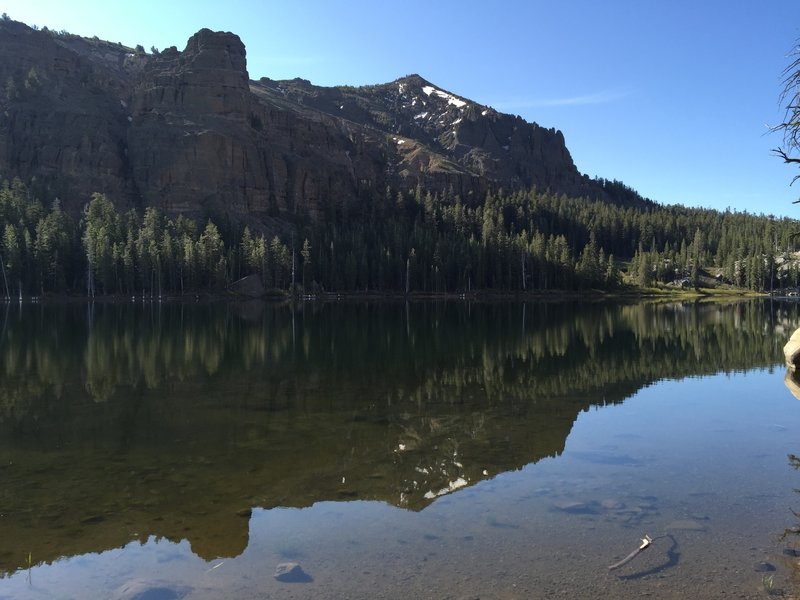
<point x="501" y="524"/>
<point x="672" y="558"/>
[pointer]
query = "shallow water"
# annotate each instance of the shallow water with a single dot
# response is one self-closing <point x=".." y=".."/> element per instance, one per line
<point x="430" y="450"/>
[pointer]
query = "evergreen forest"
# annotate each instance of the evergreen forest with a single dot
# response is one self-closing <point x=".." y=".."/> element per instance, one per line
<point x="393" y="242"/>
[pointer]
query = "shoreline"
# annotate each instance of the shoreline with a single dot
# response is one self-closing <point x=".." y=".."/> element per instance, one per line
<point x="626" y="294"/>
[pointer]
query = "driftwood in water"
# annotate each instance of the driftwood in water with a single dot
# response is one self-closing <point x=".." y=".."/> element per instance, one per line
<point x="646" y="541"/>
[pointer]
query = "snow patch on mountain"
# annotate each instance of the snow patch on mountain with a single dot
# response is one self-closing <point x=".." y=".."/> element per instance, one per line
<point x="429" y="89"/>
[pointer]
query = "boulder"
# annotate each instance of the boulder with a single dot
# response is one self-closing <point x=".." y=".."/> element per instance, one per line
<point x="150" y="590"/>
<point x="791" y="351"/>
<point x="250" y="286"/>
<point x="291" y="572"/>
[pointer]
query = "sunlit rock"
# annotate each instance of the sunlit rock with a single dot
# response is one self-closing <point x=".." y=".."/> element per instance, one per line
<point x="792" y="350"/>
<point x="291" y="572"/>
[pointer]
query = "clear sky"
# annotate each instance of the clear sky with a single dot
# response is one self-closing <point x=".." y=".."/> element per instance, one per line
<point x="672" y="97"/>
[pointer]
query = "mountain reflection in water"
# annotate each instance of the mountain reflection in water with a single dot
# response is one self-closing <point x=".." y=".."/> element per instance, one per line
<point x="123" y="422"/>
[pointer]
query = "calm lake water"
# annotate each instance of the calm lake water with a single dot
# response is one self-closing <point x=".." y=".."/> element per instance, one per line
<point x="430" y="450"/>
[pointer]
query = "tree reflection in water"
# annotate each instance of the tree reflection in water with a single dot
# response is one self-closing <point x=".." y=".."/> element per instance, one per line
<point x="135" y="420"/>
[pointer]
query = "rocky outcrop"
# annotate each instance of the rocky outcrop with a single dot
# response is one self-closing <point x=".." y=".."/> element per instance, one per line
<point x="442" y="141"/>
<point x="250" y="286"/>
<point x="791" y="351"/>
<point x="190" y="141"/>
<point x="62" y="118"/>
<point x="189" y="132"/>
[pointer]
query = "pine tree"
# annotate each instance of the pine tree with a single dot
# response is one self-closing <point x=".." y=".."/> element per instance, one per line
<point x="305" y="253"/>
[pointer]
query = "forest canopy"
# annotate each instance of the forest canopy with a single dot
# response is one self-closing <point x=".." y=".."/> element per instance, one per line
<point x="392" y="242"/>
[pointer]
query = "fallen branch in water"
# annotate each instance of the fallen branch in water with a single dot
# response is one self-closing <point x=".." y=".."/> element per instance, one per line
<point x="646" y="541"/>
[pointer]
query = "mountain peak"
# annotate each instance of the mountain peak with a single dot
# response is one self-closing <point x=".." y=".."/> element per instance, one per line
<point x="419" y="87"/>
<point x="217" y="50"/>
<point x="413" y="80"/>
<point x="189" y="132"/>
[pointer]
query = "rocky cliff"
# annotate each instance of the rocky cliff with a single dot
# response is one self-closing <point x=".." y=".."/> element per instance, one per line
<point x="189" y="132"/>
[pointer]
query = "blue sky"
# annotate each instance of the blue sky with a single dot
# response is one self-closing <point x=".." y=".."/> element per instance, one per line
<point x="672" y="97"/>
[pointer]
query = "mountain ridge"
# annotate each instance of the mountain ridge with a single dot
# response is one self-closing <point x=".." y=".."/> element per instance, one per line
<point x="190" y="133"/>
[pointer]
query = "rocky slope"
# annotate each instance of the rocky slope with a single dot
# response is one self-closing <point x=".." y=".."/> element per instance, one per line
<point x="189" y="132"/>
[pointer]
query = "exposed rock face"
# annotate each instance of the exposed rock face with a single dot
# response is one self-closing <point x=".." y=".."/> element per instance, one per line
<point x="190" y="133"/>
<point x="189" y="139"/>
<point x="61" y="119"/>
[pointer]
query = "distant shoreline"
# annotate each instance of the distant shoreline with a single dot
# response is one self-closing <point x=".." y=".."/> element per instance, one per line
<point x="632" y="294"/>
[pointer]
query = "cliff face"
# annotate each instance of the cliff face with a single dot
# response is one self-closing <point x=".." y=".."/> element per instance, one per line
<point x="189" y="139"/>
<point x="62" y="121"/>
<point x="190" y="133"/>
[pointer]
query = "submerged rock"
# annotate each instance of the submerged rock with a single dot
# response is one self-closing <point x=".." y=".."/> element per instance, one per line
<point x="577" y="508"/>
<point x="291" y="572"/>
<point x="150" y="590"/>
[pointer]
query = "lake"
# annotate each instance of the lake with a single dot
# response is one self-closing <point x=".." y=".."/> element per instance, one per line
<point x="393" y="450"/>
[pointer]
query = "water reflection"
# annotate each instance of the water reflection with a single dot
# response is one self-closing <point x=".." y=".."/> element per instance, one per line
<point x="175" y="421"/>
<point x="792" y="382"/>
